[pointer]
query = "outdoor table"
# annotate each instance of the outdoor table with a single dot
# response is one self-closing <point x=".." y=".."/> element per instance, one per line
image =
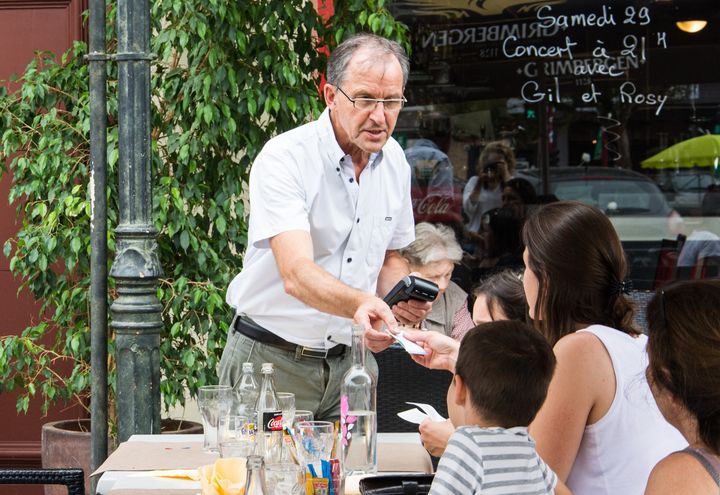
<point x="127" y="470"/>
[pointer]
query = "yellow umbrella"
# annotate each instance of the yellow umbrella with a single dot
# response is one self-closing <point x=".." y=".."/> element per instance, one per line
<point x="701" y="151"/>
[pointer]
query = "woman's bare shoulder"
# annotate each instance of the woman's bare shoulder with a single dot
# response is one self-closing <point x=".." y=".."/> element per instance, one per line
<point x="680" y="473"/>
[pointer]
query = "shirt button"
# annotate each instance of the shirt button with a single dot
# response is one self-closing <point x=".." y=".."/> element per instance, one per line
<point x="352" y="180"/>
<point x="349" y="260"/>
<point x="329" y="337"/>
<point x="338" y="169"/>
<point x="357" y="221"/>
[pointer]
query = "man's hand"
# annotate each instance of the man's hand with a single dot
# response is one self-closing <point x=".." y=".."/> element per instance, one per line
<point x="411" y="312"/>
<point x="373" y="313"/>
<point x="442" y="351"/>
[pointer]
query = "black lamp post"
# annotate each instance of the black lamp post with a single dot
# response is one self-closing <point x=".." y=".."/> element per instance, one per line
<point x="136" y="313"/>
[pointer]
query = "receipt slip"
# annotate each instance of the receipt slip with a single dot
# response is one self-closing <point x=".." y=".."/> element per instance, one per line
<point x="418" y="414"/>
<point x="409" y="346"/>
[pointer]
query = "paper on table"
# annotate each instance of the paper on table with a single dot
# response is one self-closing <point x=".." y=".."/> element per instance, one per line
<point x="417" y="416"/>
<point x="188" y="474"/>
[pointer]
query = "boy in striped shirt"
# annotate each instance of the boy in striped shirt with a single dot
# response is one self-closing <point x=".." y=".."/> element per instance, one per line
<point x="501" y="380"/>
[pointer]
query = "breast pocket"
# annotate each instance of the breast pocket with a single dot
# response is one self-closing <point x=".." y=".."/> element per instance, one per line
<point x="380" y="237"/>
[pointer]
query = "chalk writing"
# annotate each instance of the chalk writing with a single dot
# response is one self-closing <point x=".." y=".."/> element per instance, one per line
<point x="511" y="50"/>
<point x="565" y="56"/>
<point x="610" y="136"/>
<point x="584" y="20"/>
<point x="630" y="94"/>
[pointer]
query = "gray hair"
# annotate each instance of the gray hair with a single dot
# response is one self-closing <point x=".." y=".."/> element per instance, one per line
<point x="340" y="57"/>
<point x="433" y="242"/>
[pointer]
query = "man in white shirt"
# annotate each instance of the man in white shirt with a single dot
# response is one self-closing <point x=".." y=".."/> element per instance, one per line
<point x="329" y="207"/>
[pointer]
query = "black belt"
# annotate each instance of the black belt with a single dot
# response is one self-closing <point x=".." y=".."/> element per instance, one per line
<point x="249" y="328"/>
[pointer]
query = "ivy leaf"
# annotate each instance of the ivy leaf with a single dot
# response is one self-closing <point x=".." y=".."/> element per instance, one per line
<point x="221" y="225"/>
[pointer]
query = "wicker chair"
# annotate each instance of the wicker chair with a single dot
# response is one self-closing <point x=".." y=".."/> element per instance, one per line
<point x="640" y="299"/>
<point x="401" y="380"/>
<point x="73" y="479"/>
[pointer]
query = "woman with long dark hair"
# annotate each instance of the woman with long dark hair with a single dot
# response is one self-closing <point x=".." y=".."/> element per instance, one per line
<point x="599" y="429"/>
<point x="684" y="376"/>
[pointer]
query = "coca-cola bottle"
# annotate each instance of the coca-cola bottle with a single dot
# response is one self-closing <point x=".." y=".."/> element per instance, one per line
<point x="270" y="429"/>
<point x="246" y="393"/>
<point x="358" y="418"/>
<point x="255" y="483"/>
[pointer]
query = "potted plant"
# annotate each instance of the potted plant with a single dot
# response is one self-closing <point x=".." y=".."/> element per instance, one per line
<point x="229" y="75"/>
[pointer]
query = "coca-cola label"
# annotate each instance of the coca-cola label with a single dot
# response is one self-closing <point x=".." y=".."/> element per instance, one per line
<point x="436" y="207"/>
<point x="272" y="421"/>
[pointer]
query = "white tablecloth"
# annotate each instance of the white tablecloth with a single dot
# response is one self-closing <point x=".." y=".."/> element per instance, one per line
<point x="137" y="481"/>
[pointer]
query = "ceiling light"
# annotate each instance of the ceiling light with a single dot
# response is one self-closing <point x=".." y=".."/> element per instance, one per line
<point x="691" y="26"/>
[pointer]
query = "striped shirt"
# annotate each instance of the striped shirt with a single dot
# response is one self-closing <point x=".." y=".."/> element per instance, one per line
<point x="492" y="461"/>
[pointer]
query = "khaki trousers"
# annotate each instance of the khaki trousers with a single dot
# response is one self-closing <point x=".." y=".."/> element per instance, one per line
<point x="315" y="382"/>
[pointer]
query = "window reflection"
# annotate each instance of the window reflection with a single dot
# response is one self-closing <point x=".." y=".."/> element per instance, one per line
<point x="590" y="101"/>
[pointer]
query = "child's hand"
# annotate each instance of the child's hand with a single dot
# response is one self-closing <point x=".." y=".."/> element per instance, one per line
<point x="442" y="351"/>
<point x="434" y="435"/>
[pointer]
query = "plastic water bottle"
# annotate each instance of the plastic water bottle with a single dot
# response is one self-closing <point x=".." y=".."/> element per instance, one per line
<point x="270" y="428"/>
<point x="246" y="393"/>
<point x="358" y="412"/>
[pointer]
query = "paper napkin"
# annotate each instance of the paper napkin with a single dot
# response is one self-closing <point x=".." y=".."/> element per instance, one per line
<point x="225" y="477"/>
<point x="418" y="414"/>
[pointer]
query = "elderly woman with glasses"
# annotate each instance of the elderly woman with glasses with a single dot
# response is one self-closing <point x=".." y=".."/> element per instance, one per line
<point x="433" y="256"/>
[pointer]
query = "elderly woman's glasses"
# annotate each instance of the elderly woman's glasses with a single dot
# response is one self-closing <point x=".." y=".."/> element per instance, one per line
<point x="369" y="104"/>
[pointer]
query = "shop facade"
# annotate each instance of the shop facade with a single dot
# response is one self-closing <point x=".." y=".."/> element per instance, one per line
<point x="592" y="97"/>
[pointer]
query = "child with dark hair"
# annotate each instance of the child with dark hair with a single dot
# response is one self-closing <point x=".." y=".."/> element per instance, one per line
<point x="492" y="400"/>
<point x="500" y="297"/>
<point x="684" y="377"/>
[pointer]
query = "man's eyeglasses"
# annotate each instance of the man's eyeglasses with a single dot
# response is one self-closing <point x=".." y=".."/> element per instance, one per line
<point x="365" y="104"/>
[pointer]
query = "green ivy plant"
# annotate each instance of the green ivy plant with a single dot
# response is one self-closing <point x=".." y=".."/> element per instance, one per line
<point x="229" y="76"/>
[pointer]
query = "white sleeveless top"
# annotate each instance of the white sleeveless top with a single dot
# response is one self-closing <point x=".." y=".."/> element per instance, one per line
<point x="618" y="452"/>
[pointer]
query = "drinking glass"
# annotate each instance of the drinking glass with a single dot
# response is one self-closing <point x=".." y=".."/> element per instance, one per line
<point x="314" y="440"/>
<point x="286" y="401"/>
<point x="236" y="436"/>
<point x="214" y="402"/>
<point x="301" y="415"/>
<point x="285" y="479"/>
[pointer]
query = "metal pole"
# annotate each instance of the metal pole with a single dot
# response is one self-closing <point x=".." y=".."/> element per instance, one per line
<point x="136" y="313"/>
<point x="98" y="237"/>
<point x="543" y="149"/>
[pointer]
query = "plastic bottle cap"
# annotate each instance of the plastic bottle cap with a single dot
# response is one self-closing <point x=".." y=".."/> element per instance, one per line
<point x="267" y="367"/>
<point x="247" y="367"/>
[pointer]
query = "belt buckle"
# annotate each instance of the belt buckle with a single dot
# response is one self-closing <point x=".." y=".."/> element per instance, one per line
<point x="313" y="352"/>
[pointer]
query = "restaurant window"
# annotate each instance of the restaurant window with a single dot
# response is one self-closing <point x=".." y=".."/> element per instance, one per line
<point x="615" y="103"/>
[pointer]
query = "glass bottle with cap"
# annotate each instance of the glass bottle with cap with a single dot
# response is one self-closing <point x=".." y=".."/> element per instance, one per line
<point x="246" y="393"/>
<point x="255" y="482"/>
<point x="358" y="412"/>
<point x="269" y="435"/>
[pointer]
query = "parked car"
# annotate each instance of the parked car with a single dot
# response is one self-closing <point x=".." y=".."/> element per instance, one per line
<point x="634" y="203"/>
<point x="685" y="190"/>
<point x="616" y="191"/>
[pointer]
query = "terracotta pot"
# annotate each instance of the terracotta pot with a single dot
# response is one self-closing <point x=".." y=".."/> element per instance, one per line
<point x="66" y="444"/>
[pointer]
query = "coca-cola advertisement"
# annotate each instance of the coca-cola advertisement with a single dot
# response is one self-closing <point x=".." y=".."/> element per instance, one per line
<point x="272" y="421"/>
<point x="436" y="207"/>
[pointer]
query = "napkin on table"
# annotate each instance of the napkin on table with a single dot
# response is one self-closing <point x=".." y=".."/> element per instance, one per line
<point x="225" y="477"/>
